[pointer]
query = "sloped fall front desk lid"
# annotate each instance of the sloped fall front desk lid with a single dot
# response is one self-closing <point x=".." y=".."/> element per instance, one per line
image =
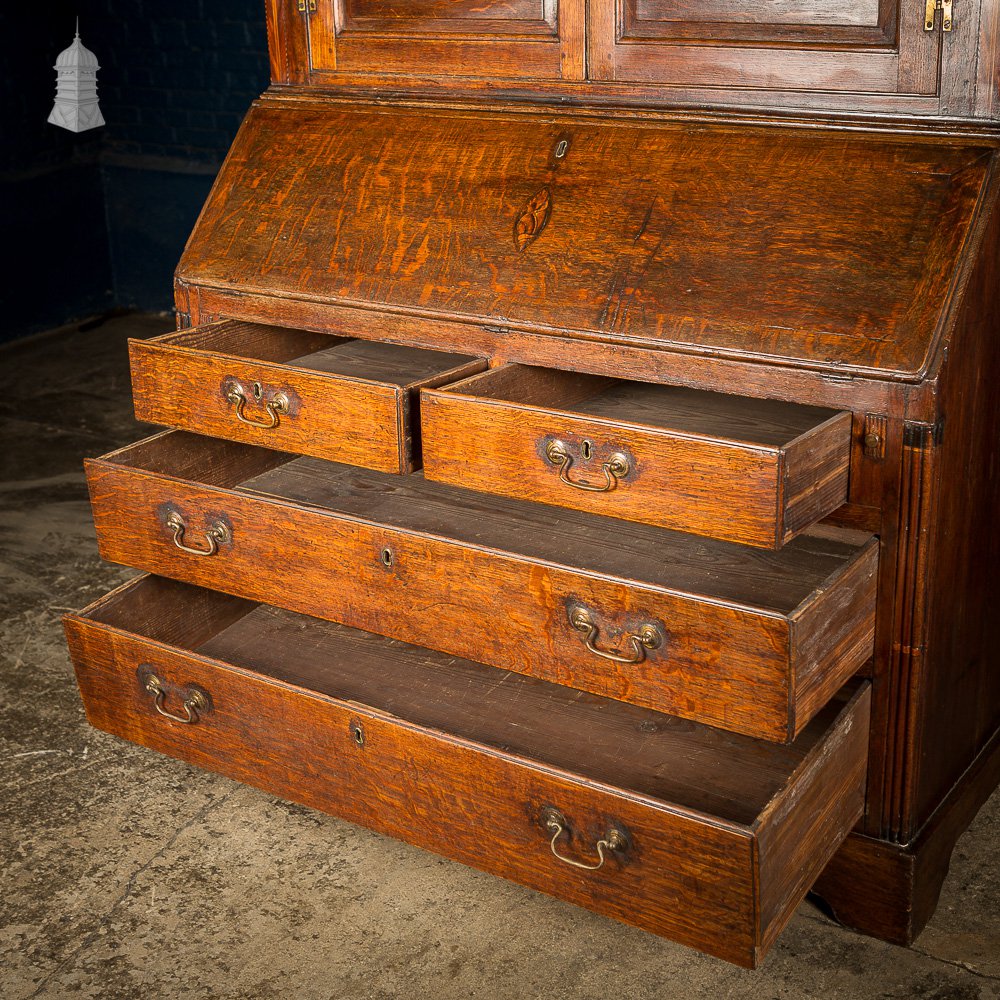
<point x="832" y="250"/>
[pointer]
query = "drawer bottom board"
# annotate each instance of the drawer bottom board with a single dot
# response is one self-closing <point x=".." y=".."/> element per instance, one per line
<point x="711" y="838"/>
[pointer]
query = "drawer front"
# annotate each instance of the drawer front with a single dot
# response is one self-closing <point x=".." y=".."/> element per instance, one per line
<point x="684" y="875"/>
<point x="211" y="381"/>
<point x="514" y="431"/>
<point x="730" y="666"/>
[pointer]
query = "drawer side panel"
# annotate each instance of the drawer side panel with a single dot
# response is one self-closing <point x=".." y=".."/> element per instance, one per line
<point x="834" y="635"/>
<point x="816" y="475"/>
<point x="804" y="825"/>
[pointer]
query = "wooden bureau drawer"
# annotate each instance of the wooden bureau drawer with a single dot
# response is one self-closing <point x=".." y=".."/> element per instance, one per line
<point x="752" y="641"/>
<point x="345" y="400"/>
<point x="753" y="471"/>
<point x="716" y="837"/>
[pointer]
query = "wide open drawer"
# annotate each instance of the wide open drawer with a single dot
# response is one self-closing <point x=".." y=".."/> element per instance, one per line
<point x="346" y="400"/>
<point x="748" y="640"/>
<point x="754" y="471"/>
<point x="708" y="838"/>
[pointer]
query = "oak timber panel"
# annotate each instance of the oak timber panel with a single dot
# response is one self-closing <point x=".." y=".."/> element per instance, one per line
<point x="748" y="471"/>
<point x="807" y="45"/>
<point x="501" y="580"/>
<point x="827" y="250"/>
<point x="290" y="723"/>
<point x="341" y="399"/>
<point x="407" y="12"/>
<point x="760" y="17"/>
<point x="512" y="39"/>
<point x="952" y="632"/>
<point x="791" y="827"/>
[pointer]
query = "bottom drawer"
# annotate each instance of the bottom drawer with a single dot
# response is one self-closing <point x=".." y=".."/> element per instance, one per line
<point x="706" y="837"/>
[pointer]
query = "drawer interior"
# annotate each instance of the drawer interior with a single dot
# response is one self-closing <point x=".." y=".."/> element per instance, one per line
<point x="741" y="469"/>
<point x="765" y="422"/>
<point x="347" y="357"/>
<point x="688" y="765"/>
<point x="778" y="582"/>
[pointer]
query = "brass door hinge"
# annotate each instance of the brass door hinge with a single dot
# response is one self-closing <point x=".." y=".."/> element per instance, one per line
<point x="930" y="11"/>
<point x="309" y="6"/>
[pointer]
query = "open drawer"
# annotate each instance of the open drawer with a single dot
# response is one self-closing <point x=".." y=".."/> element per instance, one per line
<point x="754" y="471"/>
<point x="309" y="393"/>
<point x="689" y="832"/>
<point x="747" y="640"/>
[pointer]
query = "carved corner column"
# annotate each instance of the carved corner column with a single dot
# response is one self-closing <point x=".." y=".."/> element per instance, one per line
<point x="876" y="882"/>
<point x="917" y="500"/>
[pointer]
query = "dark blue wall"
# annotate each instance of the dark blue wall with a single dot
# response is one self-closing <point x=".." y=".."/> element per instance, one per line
<point x="52" y="226"/>
<point x="98" y="220"/>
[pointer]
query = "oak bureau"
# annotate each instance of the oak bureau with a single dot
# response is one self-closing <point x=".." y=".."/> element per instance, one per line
<point x="583" y="452"/>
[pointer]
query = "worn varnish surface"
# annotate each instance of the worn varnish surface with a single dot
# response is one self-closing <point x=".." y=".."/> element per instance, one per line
<point x="825" y="250"/>
<point x="518" y="39"/>
<point x="744" y="470"/>
<point x="808" y="45"/>
<point x="872" y="57"/>
<point x="804" y="261"/>
<point x="290" y="724"/>
<point x="345" y="400"/>
<point x="498" y="579"/>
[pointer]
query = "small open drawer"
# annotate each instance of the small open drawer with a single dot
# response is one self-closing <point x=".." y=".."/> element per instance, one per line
<point x="698" y="835"/>
<point x="753" y="471"/>
<point x="351" y="401"/>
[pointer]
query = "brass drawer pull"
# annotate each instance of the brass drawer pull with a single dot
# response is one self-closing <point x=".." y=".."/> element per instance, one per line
<point x="274" y="407"/>
<point x="648" y="637"/>
<point x="615" y="468"/>
<point x="613" y="840"/>
<point x="195" y="701"/>
<point x="218" y="533"/>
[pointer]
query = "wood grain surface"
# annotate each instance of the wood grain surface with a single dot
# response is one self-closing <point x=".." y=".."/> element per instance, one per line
<point x="744" y="470"/>
<point x="498" y="580"/>
<point x="567" y="185"/>
<point x="805" y="55"/>
<point x="517" y="39"/>
<point x="828" y="250"/>
<point x="877" y="48"/>
<point x="287" y="728"/>
<point x="347" y="400"/>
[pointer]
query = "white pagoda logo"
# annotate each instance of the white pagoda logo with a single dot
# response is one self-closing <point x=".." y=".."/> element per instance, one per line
<point x="76" y="105"/>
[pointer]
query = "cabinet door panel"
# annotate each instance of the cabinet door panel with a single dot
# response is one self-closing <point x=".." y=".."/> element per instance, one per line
<point x="871" y="47"/>
<point x="816" y="21"/>
<point x="514" y="39"/>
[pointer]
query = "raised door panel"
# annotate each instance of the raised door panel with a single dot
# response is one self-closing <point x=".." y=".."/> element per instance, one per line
<point x="514" y="39"/>
<point x="873" y="47"/>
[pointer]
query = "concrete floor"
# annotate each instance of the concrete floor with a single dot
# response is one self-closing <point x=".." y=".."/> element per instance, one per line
<point x="129" y="875"/>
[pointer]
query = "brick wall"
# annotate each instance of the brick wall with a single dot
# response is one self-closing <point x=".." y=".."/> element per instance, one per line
<point x="177" y="77"/>
<point x="99" y="219"/>
<point x="56" y="258"/>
